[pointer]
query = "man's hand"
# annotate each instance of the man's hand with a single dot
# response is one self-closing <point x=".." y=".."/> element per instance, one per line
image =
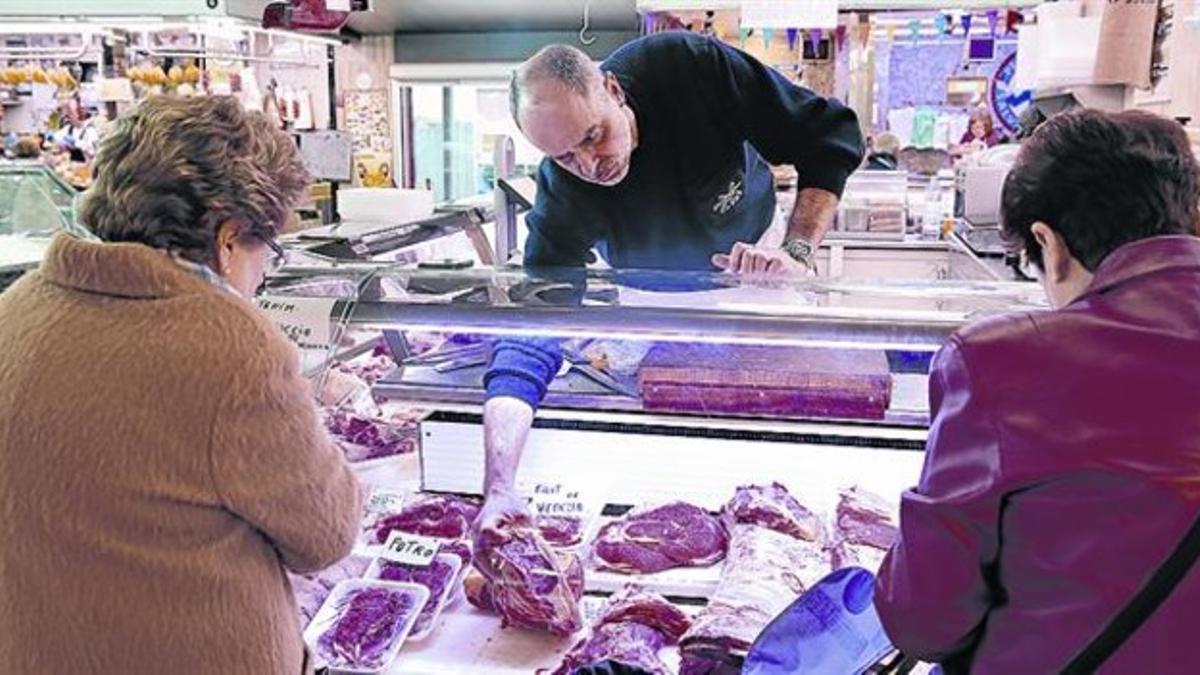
<point x="759" y="261"/>
<point x="501" y="512"/>
<point x="506" y="424"/>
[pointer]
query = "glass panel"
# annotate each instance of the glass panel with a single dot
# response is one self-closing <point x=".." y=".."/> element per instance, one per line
<point x="33" y="200"/>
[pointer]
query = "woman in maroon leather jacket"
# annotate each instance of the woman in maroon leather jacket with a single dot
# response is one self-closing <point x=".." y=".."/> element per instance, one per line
<point x="1063" y="462"/>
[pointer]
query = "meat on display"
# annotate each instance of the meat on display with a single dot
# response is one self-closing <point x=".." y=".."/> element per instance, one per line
<point x="442" y="516"/>
<point x="560" y="531"/>
<point x="772" y="506"/>
<point x="632" y="629"/>
<point x="775" y="381"/>
<point x="865" y="518"/>
<point x="528" y="584"/>
<point x="866" y="528"/>
<point x="768" y="567"/>
<point x="672" y="535"/>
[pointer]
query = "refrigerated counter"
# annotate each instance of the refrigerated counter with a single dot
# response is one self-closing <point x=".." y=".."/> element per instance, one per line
<point x="680" y="394"/>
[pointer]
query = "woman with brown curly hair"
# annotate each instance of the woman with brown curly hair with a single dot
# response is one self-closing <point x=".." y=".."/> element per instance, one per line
<point x="161" y="460"/>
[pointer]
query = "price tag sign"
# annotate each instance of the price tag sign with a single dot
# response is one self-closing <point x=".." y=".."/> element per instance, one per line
<point x="305" y="321"/>
<point x="557" y="499"/>
<point x="385" y="501"/>
<point x="410" y="549"/>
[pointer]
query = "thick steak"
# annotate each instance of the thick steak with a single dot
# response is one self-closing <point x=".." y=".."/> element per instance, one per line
<point x="677" y="534"/>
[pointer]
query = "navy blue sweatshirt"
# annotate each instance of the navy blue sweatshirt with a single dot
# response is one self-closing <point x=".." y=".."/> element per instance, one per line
<point x="707" y="116"/>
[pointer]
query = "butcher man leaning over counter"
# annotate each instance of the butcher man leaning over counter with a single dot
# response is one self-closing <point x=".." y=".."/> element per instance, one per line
<point x="655" y="158"/>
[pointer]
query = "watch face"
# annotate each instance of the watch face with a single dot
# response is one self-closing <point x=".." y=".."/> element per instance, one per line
<point x="1008" y="103"/>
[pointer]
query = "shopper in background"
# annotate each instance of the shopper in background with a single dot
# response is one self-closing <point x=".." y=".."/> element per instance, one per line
<point x="1064" y="454"/>
<point x="655" y="158"/>
<point x="981" y="134"/>
<point x="27" y="147"/>
<point x="78" y="134"/>
<point x="161" y="459"/>
<point x="884" y="154"/>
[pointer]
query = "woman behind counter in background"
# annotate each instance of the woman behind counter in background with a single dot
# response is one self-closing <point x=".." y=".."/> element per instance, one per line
<point x="981" y="134"/>
<point x="161" y="461"/>
<point x="1064" y="455"/>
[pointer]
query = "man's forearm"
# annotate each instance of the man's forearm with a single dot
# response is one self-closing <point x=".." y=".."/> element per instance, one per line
<point x="813" y="215"/>
<point x="506" y="424"/>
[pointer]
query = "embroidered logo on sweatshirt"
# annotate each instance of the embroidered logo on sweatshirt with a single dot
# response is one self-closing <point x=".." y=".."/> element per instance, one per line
<point x="730" y="197"/>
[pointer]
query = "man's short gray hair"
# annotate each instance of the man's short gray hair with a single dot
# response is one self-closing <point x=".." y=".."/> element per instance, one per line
<point x="173" y="169"/>
<point x="564" y="64"/>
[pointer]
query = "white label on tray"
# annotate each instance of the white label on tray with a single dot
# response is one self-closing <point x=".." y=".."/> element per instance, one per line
<point x="556" y="499"/>
<point x="385" y="501"/>
<point x="305" y="321"/>
<point x="410" y="549"/>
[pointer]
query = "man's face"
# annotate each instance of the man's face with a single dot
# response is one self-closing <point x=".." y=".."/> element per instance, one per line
<point x="72" y="113"/>
<point x="590" y="136"/>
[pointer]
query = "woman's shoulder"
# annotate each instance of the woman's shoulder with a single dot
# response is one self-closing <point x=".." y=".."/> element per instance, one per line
<point x="246" y="337"/>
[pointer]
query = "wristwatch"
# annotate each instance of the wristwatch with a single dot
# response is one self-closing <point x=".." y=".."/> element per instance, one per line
<point x="800" y="250"/>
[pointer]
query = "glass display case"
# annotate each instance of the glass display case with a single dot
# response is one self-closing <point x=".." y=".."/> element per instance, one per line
<point x="34" y="201"/>
<point x="659" y="350"/>
<point x="674" y="387"/>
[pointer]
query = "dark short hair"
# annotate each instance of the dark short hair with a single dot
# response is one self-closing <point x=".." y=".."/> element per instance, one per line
<point x="1101" y="180"/>
<point x="173" y="169"/>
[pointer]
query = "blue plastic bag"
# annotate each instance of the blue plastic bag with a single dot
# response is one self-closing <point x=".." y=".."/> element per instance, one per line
<point x="832" y="629"/>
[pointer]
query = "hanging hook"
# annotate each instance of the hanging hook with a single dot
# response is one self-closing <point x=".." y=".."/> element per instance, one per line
<point x="587" y="24"/>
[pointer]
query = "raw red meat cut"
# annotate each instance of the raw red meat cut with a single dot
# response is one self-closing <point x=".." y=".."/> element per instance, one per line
<point x="478" y="591"/>
<point x="560" y="531"/>
<point x="677" y="534"/>
<point x="865" y="518"/>
<point x="436" y="577"/>
<point x="529" y="585"/>
<point x="757" y="380"/>
<point x="866" y="529"/>
<point x="369" y="623"/>
<point x="444" y="516"/>
<point x="772" y="506"/>
<point x="370" y="437"/>
<point x="768" y="567"/>
<point x="631" y="630"/>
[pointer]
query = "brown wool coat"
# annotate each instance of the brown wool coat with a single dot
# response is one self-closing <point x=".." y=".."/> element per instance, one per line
<point x="161" y="463"/>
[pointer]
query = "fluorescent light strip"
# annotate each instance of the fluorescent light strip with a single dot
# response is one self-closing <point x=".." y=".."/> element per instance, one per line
<point x="658" y="336"/>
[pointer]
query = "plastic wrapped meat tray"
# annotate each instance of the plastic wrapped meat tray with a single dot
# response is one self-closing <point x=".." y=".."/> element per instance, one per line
<point x="773" y="381"/>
